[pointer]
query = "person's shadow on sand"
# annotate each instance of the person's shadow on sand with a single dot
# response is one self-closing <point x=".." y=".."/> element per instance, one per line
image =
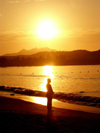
<point x="52" y="124"/>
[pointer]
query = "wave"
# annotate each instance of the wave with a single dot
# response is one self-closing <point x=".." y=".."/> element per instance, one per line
<point x="64" y="97"/>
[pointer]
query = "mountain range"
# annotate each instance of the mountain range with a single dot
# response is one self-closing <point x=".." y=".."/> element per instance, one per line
<point x="30" y="52"/>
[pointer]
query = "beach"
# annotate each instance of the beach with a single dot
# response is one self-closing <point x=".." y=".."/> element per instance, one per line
<point x="20" y="116"/>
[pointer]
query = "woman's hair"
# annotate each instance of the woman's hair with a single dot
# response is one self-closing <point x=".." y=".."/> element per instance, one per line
<point x="48" y="80"/>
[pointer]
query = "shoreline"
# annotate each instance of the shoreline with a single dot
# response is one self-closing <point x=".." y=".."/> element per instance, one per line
<point x="55" y="103"/>
<point x="72" y="98"/>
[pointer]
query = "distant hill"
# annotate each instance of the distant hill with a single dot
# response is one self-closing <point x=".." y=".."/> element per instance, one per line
<point x="30" y="52"/>
<point x="58" y="58"/>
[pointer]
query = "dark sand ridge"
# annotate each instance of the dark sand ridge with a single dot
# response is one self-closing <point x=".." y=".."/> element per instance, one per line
<point x="21" y="116"/>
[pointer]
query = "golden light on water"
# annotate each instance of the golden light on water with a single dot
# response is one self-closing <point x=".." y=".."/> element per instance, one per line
<point x="40" y="100"/>
<point x="48" y="72"/>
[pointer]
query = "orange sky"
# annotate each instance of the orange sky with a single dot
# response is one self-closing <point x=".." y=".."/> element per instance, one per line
<point x="78" y="23"/>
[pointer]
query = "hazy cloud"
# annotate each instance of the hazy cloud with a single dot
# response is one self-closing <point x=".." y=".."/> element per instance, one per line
<point x="13" y="1"/>
<point x="17" y="1"/>
<point x="7" y="36"/>
<point x="39" y="0"/>
<point x="80" y="32"/>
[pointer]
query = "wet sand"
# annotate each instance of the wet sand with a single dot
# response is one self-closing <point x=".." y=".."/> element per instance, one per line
<point x="19" y="116"/>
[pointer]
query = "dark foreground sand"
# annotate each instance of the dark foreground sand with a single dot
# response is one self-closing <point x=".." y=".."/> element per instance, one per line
<point x="17" y="116"/>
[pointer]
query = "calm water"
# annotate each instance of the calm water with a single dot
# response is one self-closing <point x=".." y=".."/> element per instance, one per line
<point x="66" y="79"/>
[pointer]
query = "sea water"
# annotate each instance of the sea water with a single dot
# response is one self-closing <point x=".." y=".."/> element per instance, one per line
<point x="65" y="79"/>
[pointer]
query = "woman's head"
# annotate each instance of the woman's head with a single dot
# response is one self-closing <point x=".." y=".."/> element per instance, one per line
<point x="48" y="80"/>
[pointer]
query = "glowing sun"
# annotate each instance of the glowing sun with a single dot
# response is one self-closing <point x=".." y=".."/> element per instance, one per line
<point x="46" y="30"/>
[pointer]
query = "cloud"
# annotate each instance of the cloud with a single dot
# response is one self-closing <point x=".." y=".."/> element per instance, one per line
<point x="13" y="1"/>
<point x="39" y="0"/>
<point x="17" y="1"/>
<point x="21" y="1"/>
<point x="11" y="36"/>
<point x="80" y="32"/>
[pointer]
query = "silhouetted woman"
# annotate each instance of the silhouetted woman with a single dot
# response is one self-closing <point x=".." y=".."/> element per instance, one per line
<point x="49" y="96"/>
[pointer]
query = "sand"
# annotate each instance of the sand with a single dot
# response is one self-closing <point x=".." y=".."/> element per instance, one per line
<point x="18" y="116"/>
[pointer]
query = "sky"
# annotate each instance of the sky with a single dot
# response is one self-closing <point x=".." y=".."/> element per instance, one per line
<point x="57" y="24"/>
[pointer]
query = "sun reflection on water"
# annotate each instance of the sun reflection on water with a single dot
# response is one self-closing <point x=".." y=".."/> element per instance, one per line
<point x="39" y="100"/>
<point x="48" y="72"/>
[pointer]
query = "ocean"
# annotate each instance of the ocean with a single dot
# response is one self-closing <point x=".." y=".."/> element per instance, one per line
<point x="80" y="84"/>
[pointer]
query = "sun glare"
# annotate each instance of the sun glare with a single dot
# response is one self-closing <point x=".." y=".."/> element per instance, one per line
<point x="47" y="71"/>
<point x="47" y="30"/>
